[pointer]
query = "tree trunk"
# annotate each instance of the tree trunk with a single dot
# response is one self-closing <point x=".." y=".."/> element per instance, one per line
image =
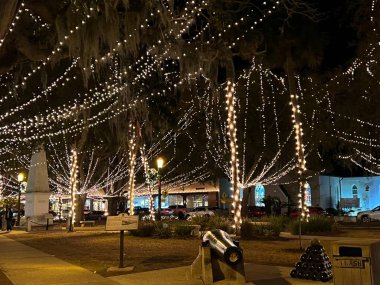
<point x="112" y="205"/>
<point x="231" y="121"/>
<point x="245" y="202"/>
<point x="133" y="148"/>
<point x="296" y="118"/>
<point x="73" y="186"/>
<point x="80" y="202"/>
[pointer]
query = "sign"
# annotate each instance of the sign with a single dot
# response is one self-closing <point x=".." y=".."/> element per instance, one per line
<point x="350" y="263"/>
<point x="122" y="222"/>
<point x="224" y="199"/>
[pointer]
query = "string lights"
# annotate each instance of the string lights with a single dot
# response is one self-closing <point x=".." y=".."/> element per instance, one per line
<point x="231" y="121"/>
<point x="300" y="154"/>
<point x="103" y="98"/>
<point x="73" y="185"/>
<point x="133" y="148"/>
<point x="268" y="167"/>
<point x="14" y="22"/>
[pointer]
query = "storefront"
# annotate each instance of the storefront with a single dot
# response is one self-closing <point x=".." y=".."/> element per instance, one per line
<point x="194" y="195"/>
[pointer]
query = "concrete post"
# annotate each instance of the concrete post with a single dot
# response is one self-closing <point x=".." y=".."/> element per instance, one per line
<point x="28" y="224"/>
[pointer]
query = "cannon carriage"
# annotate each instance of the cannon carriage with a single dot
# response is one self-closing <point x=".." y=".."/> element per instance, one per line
<point x="220" y="259"/>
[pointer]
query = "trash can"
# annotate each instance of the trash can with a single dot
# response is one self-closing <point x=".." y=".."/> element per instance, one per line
<point x="356" y="262"/>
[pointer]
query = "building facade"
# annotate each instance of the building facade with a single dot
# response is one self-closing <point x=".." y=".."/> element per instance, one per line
<point x="351" y="194"/>
<point x="194" y="195"/>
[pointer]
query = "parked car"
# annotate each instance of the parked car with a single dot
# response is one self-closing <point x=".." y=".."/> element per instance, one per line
<point x="95" y="215"/>
<point x="166" y="212"/>
<point x="179" y="210"/>
<point x="313" y="211"/>
<point x="141" y="211"/>
<point x="215" y="209"/>
<point x="199" y="211"/>
<point x="256" y="211"/>
<point x="369" y="216"/>
<point x="332" y="212"/>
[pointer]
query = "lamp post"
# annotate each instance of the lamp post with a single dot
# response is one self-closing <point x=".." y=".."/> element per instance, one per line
<point x="160" y="164"/>
<point x="20" y="179"/>
<point x="340" y="194"/>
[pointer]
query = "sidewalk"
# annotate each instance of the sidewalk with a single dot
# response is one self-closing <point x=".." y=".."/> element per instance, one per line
<point x="24" y="265"/>
<point x="255" y="275"/>
<point x="307" y="237"/>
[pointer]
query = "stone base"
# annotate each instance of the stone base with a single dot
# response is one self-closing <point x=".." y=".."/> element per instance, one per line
<point x="43" y="228"/>
<point x="40" y="221"/>
<point x="36" y="203"/>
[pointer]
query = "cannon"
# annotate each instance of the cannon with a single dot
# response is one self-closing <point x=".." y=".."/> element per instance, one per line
<point x="220" y="260"/>
<point x="223" y="246"/>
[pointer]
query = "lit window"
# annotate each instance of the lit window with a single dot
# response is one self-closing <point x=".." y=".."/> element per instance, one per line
<point x="259" y="195"/>
<point x="355" y="191"/>
<point x="308" y="195"/>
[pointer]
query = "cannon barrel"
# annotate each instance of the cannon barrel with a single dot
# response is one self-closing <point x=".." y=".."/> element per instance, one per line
<point x="223" y="246"/>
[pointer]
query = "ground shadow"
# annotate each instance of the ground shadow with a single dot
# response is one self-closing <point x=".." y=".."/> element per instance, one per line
<point x="266" y="275"/>
<point x="4" y="279"/>
<point x="274" y="281"/>
<point x="164" y="258"/>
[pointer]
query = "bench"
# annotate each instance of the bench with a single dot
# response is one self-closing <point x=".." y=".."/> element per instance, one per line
<point x="90" y="223"/>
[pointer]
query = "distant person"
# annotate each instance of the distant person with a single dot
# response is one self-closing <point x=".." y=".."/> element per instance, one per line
<point x="9" y="218"/>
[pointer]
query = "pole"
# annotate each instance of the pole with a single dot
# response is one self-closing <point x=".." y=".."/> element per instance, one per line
<point x="19" y="205"/>
<point x="159" y="195"/>
<point x="70" y="224"/>
<point x="300" y="231"/>
<point x="340" y="193"/>
<point x="121" y="258"/>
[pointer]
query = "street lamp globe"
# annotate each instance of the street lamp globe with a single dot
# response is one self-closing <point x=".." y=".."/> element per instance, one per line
<point x="160" y="162"/>
<point x="20" y="177"/>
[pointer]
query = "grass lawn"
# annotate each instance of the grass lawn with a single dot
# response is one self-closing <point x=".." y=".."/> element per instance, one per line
<point x="97" y="250"/>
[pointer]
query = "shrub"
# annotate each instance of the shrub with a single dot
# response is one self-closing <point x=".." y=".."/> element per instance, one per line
<point x="145" y="229"/>
<point x="212" y="223"/>
<point x="183" y="230"/>
<point x="280" y="221"/>
<point x="202" y="221"/>
<point x="259" y="230"/>
<point x="315" y="225"/>
<point x="220" y="222"/>
<point x="163" y="230"/>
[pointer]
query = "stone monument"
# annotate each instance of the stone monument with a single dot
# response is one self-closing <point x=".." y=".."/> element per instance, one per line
<point x="37" y="192"/>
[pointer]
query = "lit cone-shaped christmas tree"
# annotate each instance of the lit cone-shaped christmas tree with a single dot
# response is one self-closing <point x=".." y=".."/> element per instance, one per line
<point x="314" y="264"/>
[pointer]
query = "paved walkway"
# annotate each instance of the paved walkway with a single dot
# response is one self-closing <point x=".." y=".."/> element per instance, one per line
<point x="24" y="265"/>
<point x="255" y="275"/>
